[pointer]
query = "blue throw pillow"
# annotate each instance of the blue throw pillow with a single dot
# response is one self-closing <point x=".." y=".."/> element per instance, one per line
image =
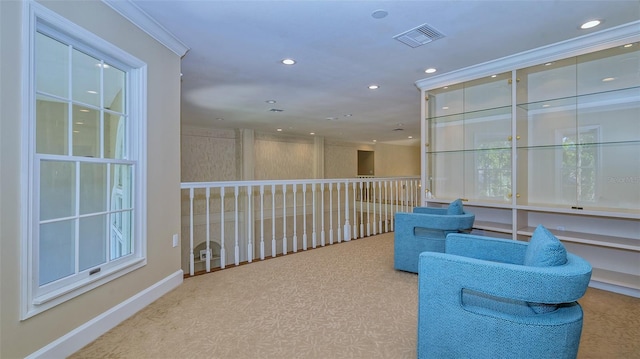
<point x="544" y="250"/>
<point x="455" y="207"/>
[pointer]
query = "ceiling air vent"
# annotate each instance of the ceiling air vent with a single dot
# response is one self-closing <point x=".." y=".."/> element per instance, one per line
<point x="419" y="36"/>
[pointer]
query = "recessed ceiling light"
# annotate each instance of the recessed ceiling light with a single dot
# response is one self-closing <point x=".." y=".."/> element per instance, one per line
<point x="84" y="110"/>
<point x="628" y="45"/>
<point x="430" y="70"/>
<point x="104" y="66"/>
<point x="375" y="140"/>
<point x="279" y="130"/>
<point x="270" y="101"/>
<point x="548" y="64"/>
<point x="546" y="105"/>
<point x="288" y="61"/>
<point x="373" y="87"/>
<point x="607" y="79"/>
<point x="445" y="107"/>
<point x="379" y="14"/>
<point x="331" y="118"/>
<point x="410" y="137"/>
<point x="79" y="123"/>
<point x="589" y="24"/>
<point x="312" y="133"/>
<point x="494" y="76"/>
<point x="92" y="92"/>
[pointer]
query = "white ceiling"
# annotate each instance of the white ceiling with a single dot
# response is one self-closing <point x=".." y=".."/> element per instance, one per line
<point x="233" y="65"/>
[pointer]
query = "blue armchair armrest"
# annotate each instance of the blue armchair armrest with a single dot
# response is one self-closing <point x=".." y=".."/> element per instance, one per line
<point x="486" y="248"/>
<point x="429" y="210"/>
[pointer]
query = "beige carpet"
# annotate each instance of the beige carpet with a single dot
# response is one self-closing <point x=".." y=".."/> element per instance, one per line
<point x="339" y="301"/>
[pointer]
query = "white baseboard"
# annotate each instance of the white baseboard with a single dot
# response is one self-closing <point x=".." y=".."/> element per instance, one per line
<point x="91" y="330"/>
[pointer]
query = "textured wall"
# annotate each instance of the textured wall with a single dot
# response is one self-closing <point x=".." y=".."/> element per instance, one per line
<point x="283" y="157"/>
<point x="394" y="160"/>
<point x="212" y="155"/>
<point x="208" y="155"/>
<point x="341" y="158"/>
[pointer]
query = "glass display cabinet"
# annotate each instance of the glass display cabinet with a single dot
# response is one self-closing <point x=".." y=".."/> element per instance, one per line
<point x="553" y="139"/>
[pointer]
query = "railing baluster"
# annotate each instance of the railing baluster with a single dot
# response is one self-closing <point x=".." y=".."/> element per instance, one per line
<point x="339" y="218"/>
<point x="236" y="244"/>
<point x="284" y="219"/>
<point x="347" y="225"/>
<point x="379" y="206"/>
<point x="208" y="258"/>
<point x="314" y="210"/>
<point x="322" y="238"/>
<point x="295" y="220"/>
<point x="368" y="199"/>
<point x="372" y="199"/>
<point x="330" y="213"/>
<point x="386" y="207"/>
<point x="273" y="221"/>
<point x="223" y="251"/>
<point x="304" y="216"/>
<point x="191" y="258"/>
<point x="361" y="210"/>
<point x="249" y="224"/>
<point x="355" y="226"/>
<point x="261" y="222"/>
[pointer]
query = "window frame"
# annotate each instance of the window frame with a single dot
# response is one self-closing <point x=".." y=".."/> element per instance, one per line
<point x="37" y="18"/>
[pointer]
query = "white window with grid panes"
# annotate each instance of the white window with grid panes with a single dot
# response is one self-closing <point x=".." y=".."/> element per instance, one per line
<point x="85" y="166"/>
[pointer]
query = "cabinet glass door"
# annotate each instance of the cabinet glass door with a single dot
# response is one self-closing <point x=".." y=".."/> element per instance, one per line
<point x="578" y="126"/>
<point x="469" y="140"/>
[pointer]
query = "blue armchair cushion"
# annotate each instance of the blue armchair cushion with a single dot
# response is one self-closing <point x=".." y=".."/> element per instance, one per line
<point x="455" y="207"/>
<point x="544" y="250"/>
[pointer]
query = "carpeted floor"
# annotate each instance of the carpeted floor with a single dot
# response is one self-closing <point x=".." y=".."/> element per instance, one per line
<point x="339" y="301"/>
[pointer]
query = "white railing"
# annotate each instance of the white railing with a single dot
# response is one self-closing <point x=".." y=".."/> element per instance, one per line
<point x="227" y="220"/>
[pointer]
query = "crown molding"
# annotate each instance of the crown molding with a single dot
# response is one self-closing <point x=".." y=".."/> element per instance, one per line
<point x="146" y="23"/>
<point x="600" y="40"/>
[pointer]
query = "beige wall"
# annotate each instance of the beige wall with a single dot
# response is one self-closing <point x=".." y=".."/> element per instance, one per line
<point x="212" y="155"/>
<point x="21" y="338"/>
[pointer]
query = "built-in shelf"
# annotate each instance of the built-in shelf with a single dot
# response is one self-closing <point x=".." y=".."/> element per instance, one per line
<point x="591" y="239"/>
<point x="554" y="142"/>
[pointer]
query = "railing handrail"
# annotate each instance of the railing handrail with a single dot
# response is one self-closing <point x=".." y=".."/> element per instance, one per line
<point x="188" y="185"/>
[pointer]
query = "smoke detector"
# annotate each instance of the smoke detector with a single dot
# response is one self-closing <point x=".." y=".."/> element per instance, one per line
<point x="419" y="36"/>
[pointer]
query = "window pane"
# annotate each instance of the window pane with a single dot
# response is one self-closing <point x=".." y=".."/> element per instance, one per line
<point x="113" y="89"/>
<point x="93" y="188"/>
<point x="57" y="251"/>
<point x="93" y="241"/>
<point x="57" y="189"/>
<point x="86" y="132"/>
<point x="114" y="136"/>
<point x="86" y="78"/>
<point x="121" y="229"/>
<point x="52" y="66"/>
<point x="121" y="190"/>
<point x="52" y="126"/>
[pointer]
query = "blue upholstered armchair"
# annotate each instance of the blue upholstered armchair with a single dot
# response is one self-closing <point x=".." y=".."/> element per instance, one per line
<point x="425" y="230"/>
<point x="496" y="298"/>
